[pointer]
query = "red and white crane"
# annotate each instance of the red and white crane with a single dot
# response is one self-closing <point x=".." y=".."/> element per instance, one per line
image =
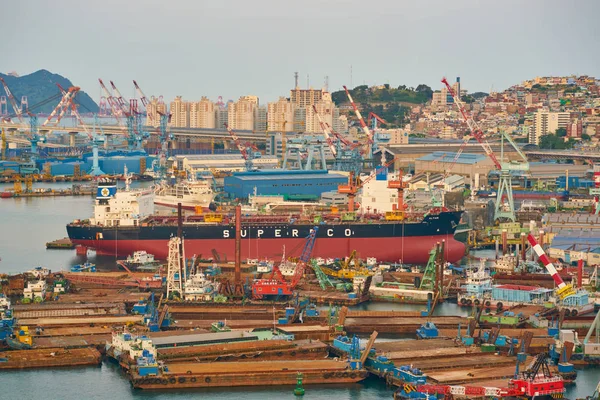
<point x="13" y="102"/>
<point x="473" y="127"/>
<point x="246" y="155"/>
<point x="326" y="131"/>
<point x="363" y="125"/>
<point x="63" y="105"/>
<point x="563" y="290"/>
<point x="144" y="100"/>
<point x="115" y="108"/>
<point x="121" y="100"/>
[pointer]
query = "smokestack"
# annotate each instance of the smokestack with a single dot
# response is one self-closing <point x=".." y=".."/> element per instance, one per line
<point x="504" y="242"/>
<point x="238" y="244"/>
<point x="579" y="273"/>
<point x="523" y="246"/>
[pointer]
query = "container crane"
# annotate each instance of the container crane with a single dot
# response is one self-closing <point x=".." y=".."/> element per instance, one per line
<point x="351" y="189"/>
<point x="505" y="168"/>
<point x="246" y="151"/>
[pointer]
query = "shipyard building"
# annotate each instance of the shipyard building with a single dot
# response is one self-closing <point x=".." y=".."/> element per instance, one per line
<point x="293" y="185"/>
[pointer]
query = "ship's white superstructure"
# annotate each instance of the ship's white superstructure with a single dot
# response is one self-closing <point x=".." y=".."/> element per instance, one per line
<point x="191" y="193"/>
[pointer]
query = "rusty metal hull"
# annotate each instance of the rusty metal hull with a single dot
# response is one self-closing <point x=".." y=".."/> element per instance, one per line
<point x="279" y="378"/>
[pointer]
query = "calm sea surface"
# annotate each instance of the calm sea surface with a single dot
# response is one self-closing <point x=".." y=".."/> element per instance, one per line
<point x="27" y="224"/>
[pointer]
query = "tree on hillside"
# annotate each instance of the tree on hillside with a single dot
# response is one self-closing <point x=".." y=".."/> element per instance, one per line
<point x="424" y="89"/>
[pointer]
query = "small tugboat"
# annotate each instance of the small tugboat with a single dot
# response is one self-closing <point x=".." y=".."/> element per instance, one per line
<point x="86" y="267"/>
<point x="142" y="261"/>
<point x="198" y="288"/>
<point x="264" y="266"/>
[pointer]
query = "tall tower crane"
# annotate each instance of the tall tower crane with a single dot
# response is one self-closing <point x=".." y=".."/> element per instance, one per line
<point x="115" y="108"/>
<point x="246" y="151"/>
<point x="503" y="210"/>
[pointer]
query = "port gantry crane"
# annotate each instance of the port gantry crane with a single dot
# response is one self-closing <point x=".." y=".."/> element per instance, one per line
<point x="502" y="210"/>
<point x="247" y="150"/>
<point x="276" y="285"/>
<point x="351" y="189"/>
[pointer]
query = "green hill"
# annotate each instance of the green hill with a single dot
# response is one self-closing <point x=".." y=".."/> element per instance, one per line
<point x="387" y="102"/>
<point x="41" y="86"/>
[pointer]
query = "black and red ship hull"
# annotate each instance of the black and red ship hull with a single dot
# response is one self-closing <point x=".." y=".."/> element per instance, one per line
<point x="389" y="242"/>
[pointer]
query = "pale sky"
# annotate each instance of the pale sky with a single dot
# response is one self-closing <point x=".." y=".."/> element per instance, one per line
<point x="231" y="48"/>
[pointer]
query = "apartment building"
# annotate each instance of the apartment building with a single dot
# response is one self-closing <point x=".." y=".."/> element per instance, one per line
<point x="281" y="115"/>
<point x="241" y="114"/>
<point x="180" y="113"/>
<point x="153" y="111"/>
<point x="546" y="122"/>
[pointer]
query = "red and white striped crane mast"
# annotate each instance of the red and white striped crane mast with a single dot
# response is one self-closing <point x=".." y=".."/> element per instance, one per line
<point x="563" y="290"/>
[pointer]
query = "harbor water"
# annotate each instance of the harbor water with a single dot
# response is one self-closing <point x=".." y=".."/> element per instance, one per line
<point x="26" y="224"/>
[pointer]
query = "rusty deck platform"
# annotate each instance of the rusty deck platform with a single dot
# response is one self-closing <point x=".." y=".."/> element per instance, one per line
<point x="50" y="358"/>
<point x="399" y="324"/>
<point x="256" y="350"/>
<point x="57" y="322"/>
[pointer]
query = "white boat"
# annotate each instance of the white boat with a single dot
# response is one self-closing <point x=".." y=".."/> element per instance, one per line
<point x="141" y="257"/>
<point x="142" y="260"/>
<point x="191" y="193"/>
<point x="264" y="266"/>
<point x="287" y="267"/>
<point x="198" y="288"/>
<point x="506" y="264"/>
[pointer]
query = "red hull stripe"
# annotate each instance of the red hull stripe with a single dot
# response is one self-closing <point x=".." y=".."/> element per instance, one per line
<point x="410" y="250"/>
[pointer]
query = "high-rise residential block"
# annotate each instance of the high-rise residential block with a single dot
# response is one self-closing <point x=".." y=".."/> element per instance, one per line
<point x="545" y="122"/>
<point x="242" y="113"/>
<point x="281" y="115"/>
<point x="180" y="113"/>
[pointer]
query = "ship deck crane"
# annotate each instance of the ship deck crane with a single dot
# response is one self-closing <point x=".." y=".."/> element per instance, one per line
<point x="502" y="210"/>
<point x="351" y="189"/>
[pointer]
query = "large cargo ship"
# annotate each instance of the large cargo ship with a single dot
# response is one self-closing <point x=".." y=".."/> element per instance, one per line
<point x="124" y="222"/>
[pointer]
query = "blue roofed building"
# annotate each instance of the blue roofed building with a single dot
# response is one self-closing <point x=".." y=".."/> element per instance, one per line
<point x="293" y="185"/>
<point x="473" y="166"/>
